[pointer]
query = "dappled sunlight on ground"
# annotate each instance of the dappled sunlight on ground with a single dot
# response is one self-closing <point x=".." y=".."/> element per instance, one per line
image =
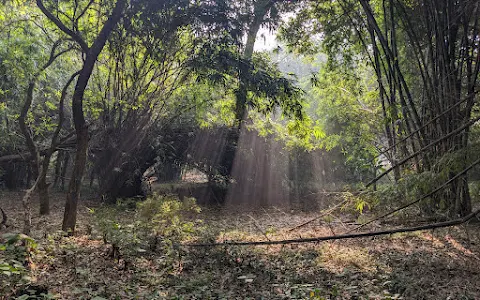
<point x="336" y="258"/>
<point x="458" y="246"/>
<point x="420" y="265"/>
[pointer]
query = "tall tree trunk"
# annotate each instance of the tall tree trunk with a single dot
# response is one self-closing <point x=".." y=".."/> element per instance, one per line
<point x="43" y="195"/>
<point x="35" y="155"/>
<point x="27" y="211"/>
<point x="58" y="168"/>
<point x="260" y="10"/>
<point x="81" y="128"/>
<point x="70" y="215"/>
<point x="43" y="186"/>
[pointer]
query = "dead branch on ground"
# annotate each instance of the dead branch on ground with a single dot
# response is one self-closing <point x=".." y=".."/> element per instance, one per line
<point x="343" y="236"/>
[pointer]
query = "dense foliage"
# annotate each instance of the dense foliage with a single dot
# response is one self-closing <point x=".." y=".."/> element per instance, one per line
<point x="154" y="107"/>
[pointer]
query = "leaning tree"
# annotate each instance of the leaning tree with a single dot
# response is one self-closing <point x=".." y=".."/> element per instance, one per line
<point x="75" y="21"/>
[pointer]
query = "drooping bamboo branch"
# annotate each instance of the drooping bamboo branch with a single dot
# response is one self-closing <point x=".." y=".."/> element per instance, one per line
<point x="453" y="133"/>
<point x="342" y="236"/>
<point x="443" y="186"/>
<point x="425" y="125"/>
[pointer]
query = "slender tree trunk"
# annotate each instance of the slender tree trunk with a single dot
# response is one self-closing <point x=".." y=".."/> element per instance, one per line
<point x="58" y="167"/>
<point x="39" y="168"/>
<point x="27" y="211"/>
<point x="81" y="128"/>
<point x="43" y="186"/>
<point x="35" y="167"/>
<point x="461" y="205"/>
<point x="43" y="195"/>
<point x="63" y="174"/>
<point x="70" y="215"/>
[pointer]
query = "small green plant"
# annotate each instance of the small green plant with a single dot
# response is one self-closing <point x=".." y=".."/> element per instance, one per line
<point x="166" y="221"/>
<point x="117" y="233"/>
<point x="359" y="202"/>
<point x="16" y="251"/>
<point x="160" y="223"/>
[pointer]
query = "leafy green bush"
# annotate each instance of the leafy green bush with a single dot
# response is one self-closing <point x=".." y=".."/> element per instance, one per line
<point x="409" y="188"/>
<point x="165" y="220"/>
<point x="15" y="254"/>
<point x="160" y="222"/>
<point x="115" y="231"/>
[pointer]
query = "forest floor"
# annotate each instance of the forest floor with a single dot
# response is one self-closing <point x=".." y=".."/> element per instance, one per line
<point x="439" y="264"/>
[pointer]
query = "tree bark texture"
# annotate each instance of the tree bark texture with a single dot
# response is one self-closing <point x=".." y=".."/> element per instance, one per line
<point x="81" y="128"/>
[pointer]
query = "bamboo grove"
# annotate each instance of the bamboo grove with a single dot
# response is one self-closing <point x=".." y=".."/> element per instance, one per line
<point x="425" y="58"/>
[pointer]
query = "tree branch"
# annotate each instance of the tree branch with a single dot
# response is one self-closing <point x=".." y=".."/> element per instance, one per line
<point x="343" y="236"/>
<point x="75" y="35"/>
<point x="27" y="155"/>
<point x="456" y="131"/>
<point x="422" y="197"/>
<point x="61" y="113"/>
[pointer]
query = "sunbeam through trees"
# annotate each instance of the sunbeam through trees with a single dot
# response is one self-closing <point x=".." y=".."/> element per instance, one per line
<point x="256" y="149"/>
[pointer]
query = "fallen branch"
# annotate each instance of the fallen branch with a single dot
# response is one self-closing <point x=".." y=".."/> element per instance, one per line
<point x="343" y="236"/>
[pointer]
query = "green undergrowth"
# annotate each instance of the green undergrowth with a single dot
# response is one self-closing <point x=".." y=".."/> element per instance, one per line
<point x="139" y="250"/>
<point x="18" y="253"/>
<point x="160" y="223"/>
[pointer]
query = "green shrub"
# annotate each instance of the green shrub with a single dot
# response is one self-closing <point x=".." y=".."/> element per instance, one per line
<point x="159" y="223"/>
<point x="15" y="254"/>
<point x="166" y="221"/>
<point x="115" y="231"/>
